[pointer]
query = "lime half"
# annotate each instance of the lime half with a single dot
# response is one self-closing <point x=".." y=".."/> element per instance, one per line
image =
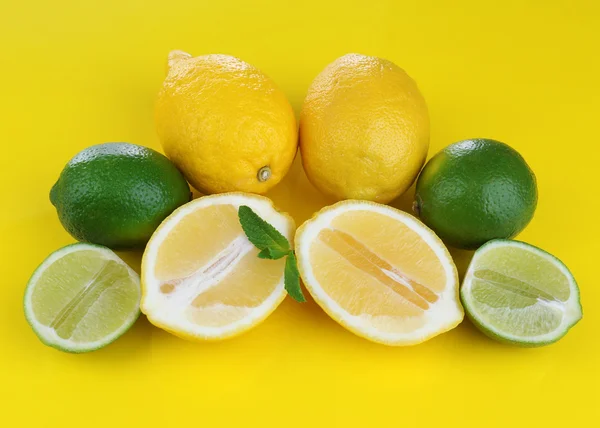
<point x="81" y="298"/>
<point x="517" y="293"/>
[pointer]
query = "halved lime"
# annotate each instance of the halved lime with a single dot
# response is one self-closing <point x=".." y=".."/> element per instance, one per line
<point x="515" y="292"/>
<point x="81" y="298"/>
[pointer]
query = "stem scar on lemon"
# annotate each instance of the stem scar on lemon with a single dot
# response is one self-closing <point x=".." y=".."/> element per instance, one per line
<point x="264" y="174"/>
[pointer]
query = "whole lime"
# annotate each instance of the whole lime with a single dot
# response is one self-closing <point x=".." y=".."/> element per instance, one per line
<point x="474" y="191"/>
<point x="116" y="194"/>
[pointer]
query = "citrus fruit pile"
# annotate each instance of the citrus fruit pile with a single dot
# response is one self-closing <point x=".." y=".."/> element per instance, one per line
<point x="216" y="266"/>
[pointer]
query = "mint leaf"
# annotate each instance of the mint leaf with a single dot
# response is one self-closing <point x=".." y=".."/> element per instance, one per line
<point x="292" y="278"/>
<point x="264" y="254"/>
<point x="271" y="253"/>
<point x="273" y="245"/>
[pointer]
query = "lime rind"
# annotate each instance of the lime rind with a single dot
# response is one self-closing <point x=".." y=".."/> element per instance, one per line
<point x="572" y="310"/>
<point x="48" y="335"/>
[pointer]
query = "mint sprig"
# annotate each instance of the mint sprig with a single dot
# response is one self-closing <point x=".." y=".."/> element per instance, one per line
<point x="272" y="245"/>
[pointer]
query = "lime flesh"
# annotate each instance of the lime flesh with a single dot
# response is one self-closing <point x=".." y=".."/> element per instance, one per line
<point x="81" y="298"/>
<point x="517" y="293"/>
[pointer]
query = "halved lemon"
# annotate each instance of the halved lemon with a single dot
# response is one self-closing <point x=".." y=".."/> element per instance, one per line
<point x="201" y="276"/>
<point x="379" y="272"/>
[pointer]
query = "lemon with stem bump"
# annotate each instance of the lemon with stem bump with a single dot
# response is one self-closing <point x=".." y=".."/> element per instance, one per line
<point x="225" y="124"/>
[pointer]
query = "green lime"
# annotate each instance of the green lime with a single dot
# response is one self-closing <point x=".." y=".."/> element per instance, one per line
<point x="515" y="292"/>
<point x="474" y="191"/>
<point x="81" y="298"/>
<point x="116" y="194"/>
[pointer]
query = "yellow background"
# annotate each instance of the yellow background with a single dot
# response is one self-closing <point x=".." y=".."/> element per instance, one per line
<point x="75" y="73"/>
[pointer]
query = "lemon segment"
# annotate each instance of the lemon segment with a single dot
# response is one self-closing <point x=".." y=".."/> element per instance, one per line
<point x="379" y="272"/>
<point x="201" y="276"/>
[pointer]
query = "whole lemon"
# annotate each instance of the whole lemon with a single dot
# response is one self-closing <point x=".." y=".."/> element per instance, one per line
<point x="364" y="129"/>
<point x="225" y="124"/>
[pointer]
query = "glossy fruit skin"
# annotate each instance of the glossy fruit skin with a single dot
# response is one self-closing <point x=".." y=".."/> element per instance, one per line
<point x="116" y="194"/>
<point x="225" y="124"/>
<point x="474" y="191"/>
<point x="364" y="130"/>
